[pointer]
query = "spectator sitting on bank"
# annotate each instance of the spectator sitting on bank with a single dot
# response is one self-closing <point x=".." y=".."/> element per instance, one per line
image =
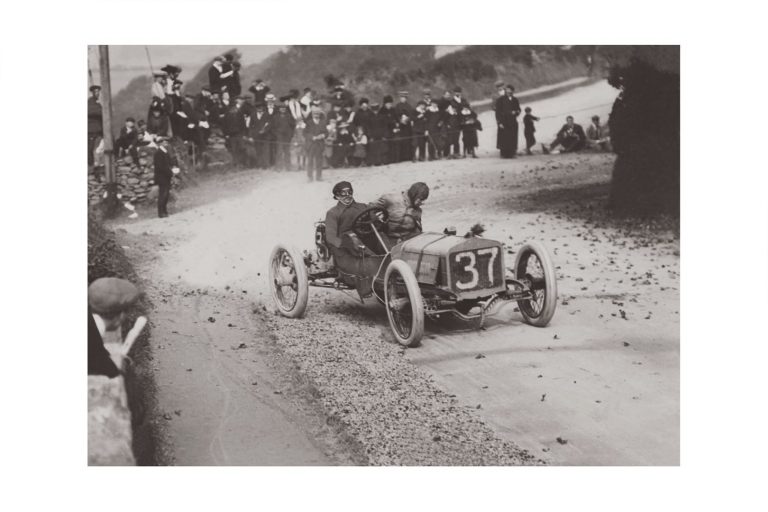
<point x="157" y="123"/>
<point x="108" y="300"/>
<point x="127" y="140"/>
<point x="571" y="138"/>
<point x="596" y="136"/>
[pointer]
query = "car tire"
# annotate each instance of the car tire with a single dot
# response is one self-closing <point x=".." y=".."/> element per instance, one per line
<point x="538" y="313"/>
<point x="405" y="307"/>
<point x="286" y="264"/>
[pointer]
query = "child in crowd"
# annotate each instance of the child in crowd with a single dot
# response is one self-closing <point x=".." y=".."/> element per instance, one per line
<point x="470" y="125"/>
<point x="528" y="130"/>
<point x="358" y="157"/>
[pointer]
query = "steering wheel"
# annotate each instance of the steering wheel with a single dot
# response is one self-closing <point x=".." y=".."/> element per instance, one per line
<point x="375" y="216"/>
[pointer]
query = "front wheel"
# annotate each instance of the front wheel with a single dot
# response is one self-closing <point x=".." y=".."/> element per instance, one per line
<point x="288" y="281"/>
<point x="405" y="308"/>
<point x="534" y="268"/>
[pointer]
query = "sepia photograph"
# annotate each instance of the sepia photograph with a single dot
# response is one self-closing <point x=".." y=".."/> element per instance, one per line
<point x="383" y="255"/>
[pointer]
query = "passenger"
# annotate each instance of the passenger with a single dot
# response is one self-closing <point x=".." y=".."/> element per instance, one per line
<point x="404" y="211"/>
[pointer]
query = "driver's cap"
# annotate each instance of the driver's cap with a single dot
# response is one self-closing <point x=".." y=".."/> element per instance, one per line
<point x="341" y="186"/>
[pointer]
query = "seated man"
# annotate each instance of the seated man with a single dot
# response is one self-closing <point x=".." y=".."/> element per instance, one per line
<point x="596" y="136"/>
<point x="355" y="262"/>
<point x="404" y="209"/>
<point x="571" y="137"/>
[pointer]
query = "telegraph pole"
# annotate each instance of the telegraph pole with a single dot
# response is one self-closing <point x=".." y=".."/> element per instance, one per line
<point x="110" y="201"/>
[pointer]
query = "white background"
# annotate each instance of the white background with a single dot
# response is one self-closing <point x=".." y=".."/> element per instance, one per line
<point x="724" y="256"/>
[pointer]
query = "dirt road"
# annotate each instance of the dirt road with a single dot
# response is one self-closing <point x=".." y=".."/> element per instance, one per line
<point x="600" y="385"/>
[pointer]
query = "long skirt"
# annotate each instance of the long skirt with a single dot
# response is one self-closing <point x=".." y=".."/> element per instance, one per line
<point x="508" y="140"/>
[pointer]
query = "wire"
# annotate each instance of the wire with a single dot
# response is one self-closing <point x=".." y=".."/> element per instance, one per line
<point x="151" y="69"/>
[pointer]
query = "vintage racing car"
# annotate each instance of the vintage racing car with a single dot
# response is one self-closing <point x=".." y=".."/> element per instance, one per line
<point x="430" y="274"/>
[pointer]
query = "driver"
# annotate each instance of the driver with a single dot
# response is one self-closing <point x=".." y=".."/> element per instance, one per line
<point x="339" y="221"/>
<point x="404" y="211"/>
<point x="340" y="218"/>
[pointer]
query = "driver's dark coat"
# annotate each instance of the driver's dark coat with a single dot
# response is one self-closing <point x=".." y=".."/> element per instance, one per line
<point x="339" y="220"/>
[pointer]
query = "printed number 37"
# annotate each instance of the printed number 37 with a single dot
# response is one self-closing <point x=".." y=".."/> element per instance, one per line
<point x="471" y="267"/>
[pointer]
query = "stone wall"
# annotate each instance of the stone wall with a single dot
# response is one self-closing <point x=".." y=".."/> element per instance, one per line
<point x="136" y="179"/>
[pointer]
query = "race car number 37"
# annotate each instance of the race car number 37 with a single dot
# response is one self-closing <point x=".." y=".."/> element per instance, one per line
<point x="476" y="269"/>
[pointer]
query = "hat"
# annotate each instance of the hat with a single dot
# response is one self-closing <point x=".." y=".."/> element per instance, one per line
<point x="111" y="295"/>
<point x="402" y="93"/>
<point x="269" y="97"/>
<point x="259" y="106"/>
<point x="229" y="56"/>
<point x="343" y="124"/>
<point x="189" y="95"/>
<point x="94" y="88"/>
<point x="218" y="58"/>
<point x="258" y="81"/>
<point x="499" y="84"/>
<point x="157" y="74"/>
<point x="315" y="103"/>
<point x="338" y="87"/>
<point x="285" y="98"/>
<point x="387" y="99"/>
<point x="341" y="186"/>
<point x="363" y="100"/>
<point x="457" y="89"/>
<point x="418" y="190"/>
<point x="509" y="86"/>
<point x="170" y="68"/>
<point x="375" y="104"/>
<point x="427" y="92"/>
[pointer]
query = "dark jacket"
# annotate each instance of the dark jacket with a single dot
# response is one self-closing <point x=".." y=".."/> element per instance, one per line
<point x="284" y="125"/>
<point x="364" y="118"/>
<point x="233" y="121"/>
<point x="379" y="126"/>
<point x="568" y="132"/>
<point x="315" y="129"/>
<point x="157" y="125"/>
<point x="261" y="128"/>
<point x="259" y="95"/>
<point x="339" y="220"/>
<point x="528" y="125"/>
<point x="419" y="122"/>
<point x="507" y="109"/>
<point x="94" y="117"/>
<point x="163" y="162"/>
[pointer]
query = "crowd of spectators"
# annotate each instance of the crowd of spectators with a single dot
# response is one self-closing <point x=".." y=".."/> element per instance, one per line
<point x="307" y="130"/>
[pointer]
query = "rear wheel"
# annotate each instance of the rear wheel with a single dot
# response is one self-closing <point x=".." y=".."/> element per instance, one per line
<point x="405" y="307"/>
<point x="534" y="268"/>
<point x="288" y="281"/>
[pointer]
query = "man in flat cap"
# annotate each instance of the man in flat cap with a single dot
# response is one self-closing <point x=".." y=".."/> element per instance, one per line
<point x="95" y="127"/>
<point x="108" y="300"/>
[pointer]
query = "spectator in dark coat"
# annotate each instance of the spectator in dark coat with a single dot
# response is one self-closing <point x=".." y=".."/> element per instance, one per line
<point x="419" y="129"/>
<point x="378" y="132"/>
<point x="433" y="133"/>
<point x="507" y="109"/>
<point x="363" y="116"/>
<point x="571" y="137"/>
<point x="234" y="128"/>
<point x="261" y="132"/>
<point x="284" y="126"/>
<point x="95" y="128"/>
<point x="164" y="164"/>
<point x="458" y="101"/>
<point x="387" y="112"/>
<point x="157" y="122"/>
<point x="451" y="129"/>
<point x="233" y="81"/>
<point x="217" y="76"/>
<point x="314" y="136"/>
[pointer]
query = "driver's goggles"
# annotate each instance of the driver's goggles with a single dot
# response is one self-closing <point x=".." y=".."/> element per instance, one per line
<point x="347" y="192"/>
